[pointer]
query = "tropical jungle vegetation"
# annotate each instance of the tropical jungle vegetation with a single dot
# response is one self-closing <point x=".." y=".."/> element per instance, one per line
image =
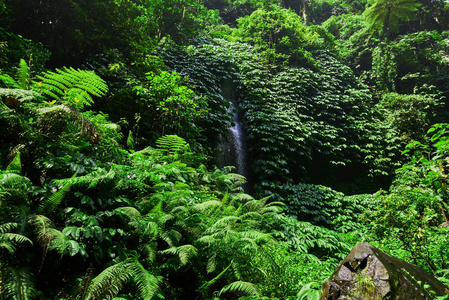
<point x="112" y="113"/>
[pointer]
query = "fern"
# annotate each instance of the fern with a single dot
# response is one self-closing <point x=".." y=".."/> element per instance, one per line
<point x="171" y="144"/>
<point x="53" y="239"/>
<point x="90" y="180"/>
<point x="51" y="203"/>
<point x="73" y="86"/>
<point x="17" y="283"/>
<point x="15" y="166"/>
<point x="23" y="80"/>
<point x="14" y="181"/>
<point x="184" y="252"/>
<point x="9" y="240"/>
<point x="171" y="237"/>
<point x="17" y="96"/>
<point x="9" y="82"/>
<point x="23" y="75"/>
<point x="310" y="291"/>
<point x="205" y="286"/>
<point x="241" y="286"/>
<point x="108" y="283"/>
<point x="147" y="284"/>
<point x="112" y="280"/>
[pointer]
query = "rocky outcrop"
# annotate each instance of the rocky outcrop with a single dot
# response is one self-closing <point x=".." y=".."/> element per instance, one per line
<point x="368" y="273"/>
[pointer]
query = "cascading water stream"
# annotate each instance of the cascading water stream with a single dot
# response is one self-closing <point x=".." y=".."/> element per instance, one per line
<point x="234" y="147"/>
<point x="238" y="143"/>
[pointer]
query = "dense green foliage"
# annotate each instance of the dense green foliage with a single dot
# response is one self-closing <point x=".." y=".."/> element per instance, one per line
<point x="114" y="114"/>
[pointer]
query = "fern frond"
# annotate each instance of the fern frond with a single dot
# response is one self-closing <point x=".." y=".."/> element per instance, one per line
<point x="108" y="283"/>
<point x="15" y="166"/>
<point x="50" y="204"/>
<point x="130" y="212"/>
<point x="225" y="221"/>
<point x="17" y="95"/>
<point x="211" y="263"/>
<point x="9" y="239"/>
<point x="9" y="82"/>
<point x="205" y="286"/>
<point x="54" y="239"/>
<point x="14" y="181"/>
<point x="149" y="250"/>
<point x="184" y="252"/>
<point x="147" y="284"/>
<point x="23" y="75"/>
<point x="207" y="206"/>
<point x="171" y="144"/>
<point x="41" y="223"/>
<point x="74" y="86"/>
<point x="207" y="239"/>
<point x="241" y="286"/>
<point x="310" y="291"/>
<point x="171" y="237"/>
<point x="90" y="180"/>
<point x="17" y="283"/>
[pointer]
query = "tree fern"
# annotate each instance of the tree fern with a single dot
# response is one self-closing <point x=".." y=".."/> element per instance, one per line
<point x="241" y="286"/>
<point x="73" y="86"/>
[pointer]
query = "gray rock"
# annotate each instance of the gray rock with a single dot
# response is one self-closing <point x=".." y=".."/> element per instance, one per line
<point x="368" y="273"/>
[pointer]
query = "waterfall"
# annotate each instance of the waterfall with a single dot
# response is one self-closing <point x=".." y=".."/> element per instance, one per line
<point x="234" y="146"/>
<point x="238" y="142"/>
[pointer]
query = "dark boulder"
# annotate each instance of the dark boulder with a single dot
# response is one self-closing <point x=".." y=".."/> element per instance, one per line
<point x="368" y="273"/>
